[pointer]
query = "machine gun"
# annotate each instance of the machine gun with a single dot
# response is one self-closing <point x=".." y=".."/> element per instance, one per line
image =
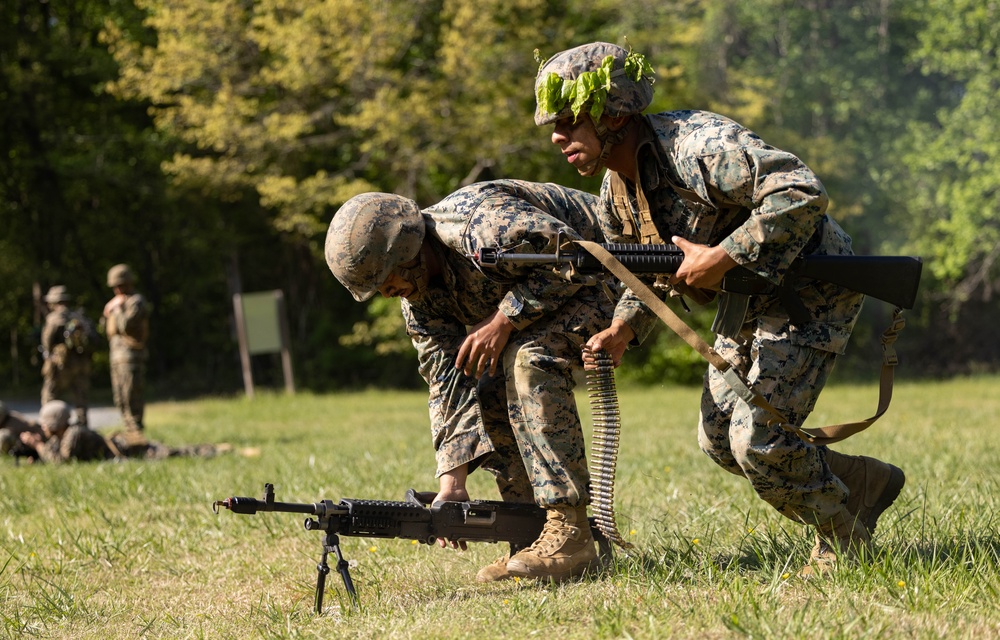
<point x="894" y="279"/>
<point x="413" y="519"/>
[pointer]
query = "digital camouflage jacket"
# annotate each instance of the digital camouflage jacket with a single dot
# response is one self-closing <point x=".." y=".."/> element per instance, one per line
<point x="504" y="213"/>
<point x="712" y="181"/>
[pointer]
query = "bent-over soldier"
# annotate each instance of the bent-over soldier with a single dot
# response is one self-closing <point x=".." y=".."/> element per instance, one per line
<point x="498" y="350"/>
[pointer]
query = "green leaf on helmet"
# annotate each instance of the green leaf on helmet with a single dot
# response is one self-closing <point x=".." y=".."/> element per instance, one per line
<point x="637" y="67"/>
<point x="590" y="87"/>
<point x="550" y="94"/>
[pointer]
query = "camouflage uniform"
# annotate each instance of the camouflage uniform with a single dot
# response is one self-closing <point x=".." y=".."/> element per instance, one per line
<point x="75" y="443"/>
<point x="713" y="182"/>
<point x="525" y="416"/>
<point x="84" y="445"/>
<point x="12" y="425"/>
<point x="127" y="327"/>
<point x="706" y="179"/>
<point x="66" y="370"/>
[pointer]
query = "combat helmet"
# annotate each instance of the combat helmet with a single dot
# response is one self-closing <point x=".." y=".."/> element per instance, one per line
<point x="120" y="274"/>
<point x="54" y="415"/>
<point x="598" y="77"/>
<point x="370" y="235"/>
<point x="57" y="294"/>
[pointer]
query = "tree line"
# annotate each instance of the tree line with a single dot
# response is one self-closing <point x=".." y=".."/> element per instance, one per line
<point x="207" y="143"/>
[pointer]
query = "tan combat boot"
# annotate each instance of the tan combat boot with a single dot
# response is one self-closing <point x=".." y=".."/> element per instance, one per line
<point x="564" y="549"/>
<point x="497" y="570"/>
<point x="842" y="537"/>
<point x="873" y="484"/>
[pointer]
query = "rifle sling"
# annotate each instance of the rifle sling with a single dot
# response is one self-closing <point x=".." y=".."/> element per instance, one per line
<point x="817" y="436"/>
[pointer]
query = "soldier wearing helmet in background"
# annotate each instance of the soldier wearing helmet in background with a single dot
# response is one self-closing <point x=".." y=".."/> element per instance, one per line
<point x="126" y="323"/>
<point x="722" y="195"/>
<point x="68" y="341"/>
<point x="54" y="440"/>
<point x="498" y="350"/>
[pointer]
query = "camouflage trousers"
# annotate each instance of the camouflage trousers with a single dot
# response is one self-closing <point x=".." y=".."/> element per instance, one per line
<point x="530" y="430"/>
<point x="131" y="444"/>
<point x="68" y="381"/>
<point x="127" y="386"/>
<point x="788" y="473"/>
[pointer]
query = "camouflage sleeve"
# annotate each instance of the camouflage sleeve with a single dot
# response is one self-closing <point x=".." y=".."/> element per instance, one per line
<point x="785" y="198"/>
<point x="515" y="225"/>
<point x="453" y="403"/>
<point x="51" y="451"/>
<point x="133" y="315"/>
<point x="130" y="319"/>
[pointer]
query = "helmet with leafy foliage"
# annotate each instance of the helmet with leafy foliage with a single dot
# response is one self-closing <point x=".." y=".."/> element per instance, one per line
<point x="120" y="274"/>
<point x="370" y="235"/>
<point x="598" y="77"/>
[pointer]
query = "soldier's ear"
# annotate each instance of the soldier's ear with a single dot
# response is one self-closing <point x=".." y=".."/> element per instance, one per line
<point x="615" y="123"/>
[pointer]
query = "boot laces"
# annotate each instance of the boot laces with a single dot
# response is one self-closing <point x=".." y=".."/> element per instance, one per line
<point x="554" y="535"/>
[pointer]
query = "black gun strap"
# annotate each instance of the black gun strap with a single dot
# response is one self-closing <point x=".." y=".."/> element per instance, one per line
<point x="817" y="436"/>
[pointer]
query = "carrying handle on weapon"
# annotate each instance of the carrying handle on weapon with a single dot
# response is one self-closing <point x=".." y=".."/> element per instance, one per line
<point x="817" y="436"/>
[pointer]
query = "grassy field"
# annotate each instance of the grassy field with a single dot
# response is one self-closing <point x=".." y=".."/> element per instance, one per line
<point x="130" y="550"/>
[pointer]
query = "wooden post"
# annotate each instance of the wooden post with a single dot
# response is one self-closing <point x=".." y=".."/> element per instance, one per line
<point x="241" y="334"/>
<point x="286" y="355"/>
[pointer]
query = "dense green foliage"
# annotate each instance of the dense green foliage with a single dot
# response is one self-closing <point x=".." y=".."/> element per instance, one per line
<point x="209" y="143"/>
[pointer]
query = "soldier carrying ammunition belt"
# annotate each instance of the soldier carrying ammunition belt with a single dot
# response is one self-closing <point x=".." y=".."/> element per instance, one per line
<point x="498" y="350"/>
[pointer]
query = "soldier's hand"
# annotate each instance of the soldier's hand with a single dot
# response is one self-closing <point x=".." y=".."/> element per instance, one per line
<point x="703" y="266"/>
<point x="31" y="439"/>
<point x="457" y="495"/>
<point x="614" y="340"/>
<point x="113" y="303"/>
<point x="481" y="349"/>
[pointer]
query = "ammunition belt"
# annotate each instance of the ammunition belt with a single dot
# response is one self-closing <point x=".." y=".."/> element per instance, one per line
<point x="604" y="450"/>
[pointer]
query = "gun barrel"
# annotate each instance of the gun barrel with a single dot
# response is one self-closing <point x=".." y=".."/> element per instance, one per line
<point x="894" y="279"/>
<point x="638" y="258"/>
<point x="250" y="506"/>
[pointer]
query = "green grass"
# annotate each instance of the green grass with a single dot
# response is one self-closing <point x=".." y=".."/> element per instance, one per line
<point x="133" y="549"/>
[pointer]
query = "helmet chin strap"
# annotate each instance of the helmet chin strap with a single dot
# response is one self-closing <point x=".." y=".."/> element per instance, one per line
<point x="608" y="139"/>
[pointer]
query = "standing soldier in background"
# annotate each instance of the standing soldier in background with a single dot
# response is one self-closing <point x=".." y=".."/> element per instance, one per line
<point x="67" y="346"/>
<point x="126" y="321"/>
